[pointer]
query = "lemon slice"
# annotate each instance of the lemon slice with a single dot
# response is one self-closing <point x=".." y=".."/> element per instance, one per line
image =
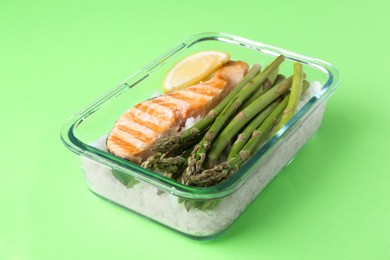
<point x="193" y="69"/>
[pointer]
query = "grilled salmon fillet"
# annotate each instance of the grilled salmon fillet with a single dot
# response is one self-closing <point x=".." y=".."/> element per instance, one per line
<point x="137" y="130"/>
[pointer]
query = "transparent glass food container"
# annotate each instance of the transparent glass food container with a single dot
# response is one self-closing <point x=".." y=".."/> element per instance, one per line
<point x="197" y="212"/>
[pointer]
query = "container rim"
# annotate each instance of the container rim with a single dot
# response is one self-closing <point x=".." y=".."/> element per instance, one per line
<point x="74" y="144"/>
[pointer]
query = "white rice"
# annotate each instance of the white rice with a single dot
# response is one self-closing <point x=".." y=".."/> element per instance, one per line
<point x="145" y="199"/>
<point x="190" y="122"/>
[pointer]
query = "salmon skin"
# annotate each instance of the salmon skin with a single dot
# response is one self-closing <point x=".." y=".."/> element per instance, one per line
<point x="137" y="130"/>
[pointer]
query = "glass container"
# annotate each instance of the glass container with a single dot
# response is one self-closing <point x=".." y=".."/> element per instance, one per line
<point x="200" y="213"/>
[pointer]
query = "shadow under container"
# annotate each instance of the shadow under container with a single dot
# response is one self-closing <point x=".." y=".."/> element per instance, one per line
<point x="200" y="213"/>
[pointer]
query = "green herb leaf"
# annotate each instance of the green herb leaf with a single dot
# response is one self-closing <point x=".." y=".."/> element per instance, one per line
<point x="125" y="179"/>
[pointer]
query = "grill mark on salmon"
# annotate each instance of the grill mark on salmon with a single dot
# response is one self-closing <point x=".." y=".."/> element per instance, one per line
<point x="122" y="147"/>
<point x="151" y="119"/>
<point x="195" y="106"/>
<point x="130" y="116"/>
<point x="129" y="139"/>
<point x="209" y="92"/>
<point x="190" y="96"/>
<point x="209" y="88"/>
<point x="136" y="133"/>
<point x="155" y="109"/>
<point x="182" y="96"/>
<point x="140" y="127"/>
<point x="170" y="102"/>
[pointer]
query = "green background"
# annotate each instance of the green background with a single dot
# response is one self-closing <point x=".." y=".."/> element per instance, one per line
<point x="332" y="202"/>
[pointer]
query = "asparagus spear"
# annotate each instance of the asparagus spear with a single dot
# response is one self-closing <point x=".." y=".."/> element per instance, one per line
<point x="165" y="165"/>
<point x="244" y="117"/>
<point x="198" y="156"/>
<point x="271" y="79"/>
<point x="224" y="170"/>
<point x="268" y="83"/>
<point x="296" y="91"/>
<point x="247" y="132"/>
<point x="279" y="78"/>
<point x="184" y="138"/>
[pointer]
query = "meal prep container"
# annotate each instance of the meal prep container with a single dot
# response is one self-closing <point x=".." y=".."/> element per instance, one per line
<point x="197" y="212"/>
